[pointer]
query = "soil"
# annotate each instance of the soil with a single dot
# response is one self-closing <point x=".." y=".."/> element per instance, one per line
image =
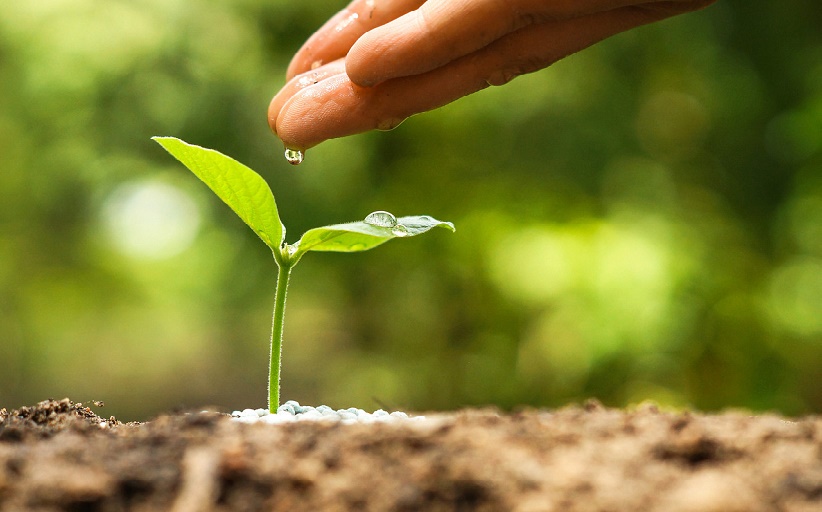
<point x="61" y="456"/>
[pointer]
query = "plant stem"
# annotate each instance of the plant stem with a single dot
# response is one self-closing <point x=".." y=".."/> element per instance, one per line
<point x="275" y="361"/>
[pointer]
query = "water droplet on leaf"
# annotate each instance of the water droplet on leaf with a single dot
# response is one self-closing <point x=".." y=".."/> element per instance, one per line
<point x="381" y="219"/>
<point x="400" y="231"/>
<point x="294" y="156"/>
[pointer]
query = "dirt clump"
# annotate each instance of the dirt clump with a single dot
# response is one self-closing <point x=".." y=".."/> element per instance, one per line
<point x="60" y="456"/>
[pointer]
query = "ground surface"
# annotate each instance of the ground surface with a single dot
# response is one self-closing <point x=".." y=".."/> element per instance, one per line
<point x="61" y="456"/>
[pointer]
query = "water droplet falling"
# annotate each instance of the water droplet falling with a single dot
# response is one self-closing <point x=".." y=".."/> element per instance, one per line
<point x="294" y="156"/>
<point x="381" y="219"/>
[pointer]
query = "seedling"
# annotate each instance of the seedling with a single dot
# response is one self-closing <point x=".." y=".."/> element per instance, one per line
<point x="248" y="194"/>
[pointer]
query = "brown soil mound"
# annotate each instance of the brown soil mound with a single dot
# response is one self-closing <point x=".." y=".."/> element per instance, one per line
<point x="60" y="456"/>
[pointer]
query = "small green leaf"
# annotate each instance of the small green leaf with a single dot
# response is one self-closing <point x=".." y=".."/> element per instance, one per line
<point x="245" y="191"/>
<point x="419" y="224"/>
<point x="362" y="235"/>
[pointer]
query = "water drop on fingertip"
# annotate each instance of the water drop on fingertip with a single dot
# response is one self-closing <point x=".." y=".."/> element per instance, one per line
<point x="294" y="156"/>
<point x="382" y="219"/>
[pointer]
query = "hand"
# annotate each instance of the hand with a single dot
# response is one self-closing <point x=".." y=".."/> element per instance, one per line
<point x="378" y="62"/>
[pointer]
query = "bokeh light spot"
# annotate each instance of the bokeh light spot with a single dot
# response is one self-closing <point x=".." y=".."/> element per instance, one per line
<point x="150" y="220"/>
<point x="796" y="296"/>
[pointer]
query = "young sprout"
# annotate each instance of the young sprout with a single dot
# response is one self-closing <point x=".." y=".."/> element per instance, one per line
<point x="248" y="194"/>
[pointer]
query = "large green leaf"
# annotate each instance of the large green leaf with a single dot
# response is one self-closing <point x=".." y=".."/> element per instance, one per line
<point x="245" y="191"/>
<point x="364" y="235"/>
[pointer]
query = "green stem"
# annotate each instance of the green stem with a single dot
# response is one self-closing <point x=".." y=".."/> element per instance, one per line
<point x="275" y="361"/>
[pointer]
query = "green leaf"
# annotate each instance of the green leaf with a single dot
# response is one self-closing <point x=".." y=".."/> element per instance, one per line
<point x="362" y="235"/>
<point x="419" y="224"/>
<point x="245" y="191"/>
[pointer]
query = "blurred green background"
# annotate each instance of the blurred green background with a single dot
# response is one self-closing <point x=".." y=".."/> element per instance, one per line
<point x="642" y="220"/>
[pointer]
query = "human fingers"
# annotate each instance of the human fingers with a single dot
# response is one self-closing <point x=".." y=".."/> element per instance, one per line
<point x="333" y="40"/>
<point x="336" y="107"/>
<point x="443" y="30"/>
<point x="300" y="82"/>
